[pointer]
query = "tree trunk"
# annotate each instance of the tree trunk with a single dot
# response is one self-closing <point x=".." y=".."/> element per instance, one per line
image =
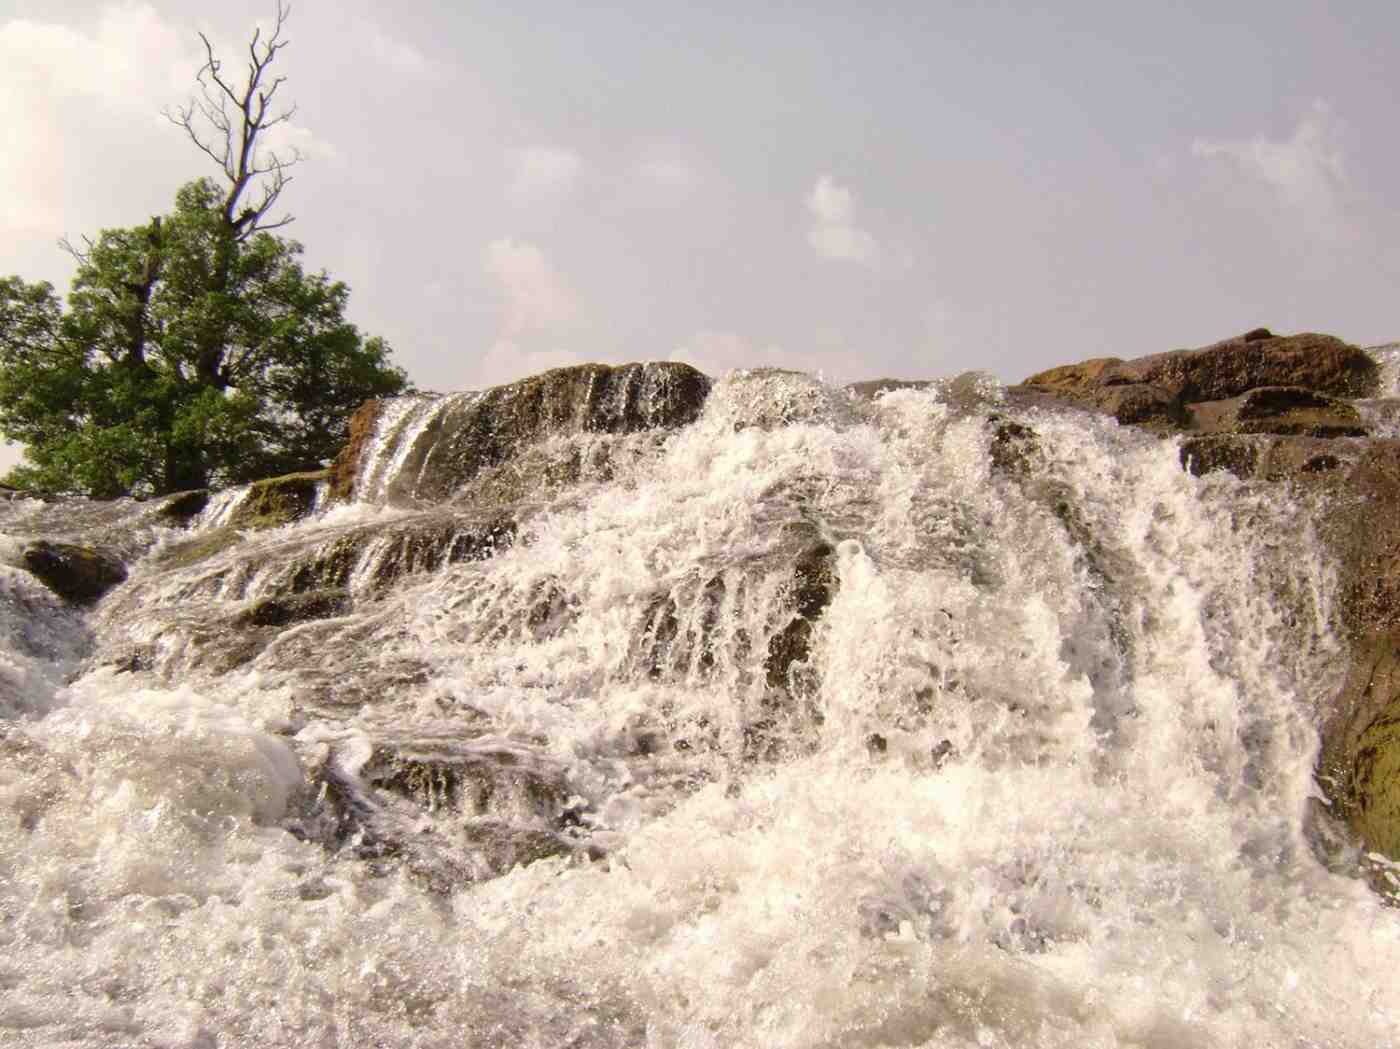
<point x="141" y="290"/>
<point x="185" y="470"/>
<point x="213" y="341"/>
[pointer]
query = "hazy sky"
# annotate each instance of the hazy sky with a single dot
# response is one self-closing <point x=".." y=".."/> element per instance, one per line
<point x="910" y="189"/>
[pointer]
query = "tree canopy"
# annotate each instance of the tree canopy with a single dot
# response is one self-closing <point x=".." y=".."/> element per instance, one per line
<point x="192" y="350"/>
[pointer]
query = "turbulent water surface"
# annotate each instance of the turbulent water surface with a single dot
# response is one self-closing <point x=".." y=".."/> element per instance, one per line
<point x="920" y="721"/>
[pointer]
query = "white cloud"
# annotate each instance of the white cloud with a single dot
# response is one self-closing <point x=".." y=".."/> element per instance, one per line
<point x="834" y="235"/>
<point x="284" y="138"/>
<point x="830" y="203"/>
<point x="395" y="54"/>
<point x="59" y="83"/>
<point x="81" y="99"/>
<point x="543" y="173"/>
<point x="1306" y="172"/>
<point x="668" y="173"/>
<point x="130" y="57"/>
<point x="842" y="242"/>
<point x="668" y="169"/>
<point x="538" y="299"/>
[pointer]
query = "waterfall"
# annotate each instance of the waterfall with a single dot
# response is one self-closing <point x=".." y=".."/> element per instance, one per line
<point x="798" y="718"/>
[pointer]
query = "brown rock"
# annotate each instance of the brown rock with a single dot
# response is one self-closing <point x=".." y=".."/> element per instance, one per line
<point x="346" y="467"/>
<point x="1264" y="457"/>
<point x="1288" y="410"/>
<point x="479" y="434"/>
<point x="1227" y="369"/>
<point x="278" y="500"/>
<point x="1155" y="391"/>
<point x="78" y="574"/>
<point x="183" y="507"/>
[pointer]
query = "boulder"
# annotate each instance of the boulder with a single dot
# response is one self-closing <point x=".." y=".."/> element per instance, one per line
<point x="1321" y="363"/>
<point x="183" y="507"/>
<point x="1288" y="410"/>
<point x="288" y="609"/>
<point x="1263" y="457"/>
<point x="278" y="500"/>
<point x="1156" y="391"/>
<point x="78" y="574"/>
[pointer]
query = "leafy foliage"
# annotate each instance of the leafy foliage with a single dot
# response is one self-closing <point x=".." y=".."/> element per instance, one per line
<point x="191" y="352"/>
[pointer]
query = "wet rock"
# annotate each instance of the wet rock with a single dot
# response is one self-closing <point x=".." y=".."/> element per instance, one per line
<point x="450" y="811"/>
<point x="183" y="507"/>
<point x="278" y="501"/>
<point x="1014" y="447"/>
<point x="813" y="585"/>
<point x="1285" y="410"/>
<point x="872" y="388"/>
<point x="199" y="548"/>
<point x="270" y="503"/>
<point x="1266" y="457"/>
<point x="477" y="434"/>
<point x="78" y="574"/>
<point x="1140" y="404"/>
<point x="1370" y="764"/>
<point x="294" y="608"/>
<point x="389" y="552"/>
<point x="1204" y="455"/>
<point x="345" y="469"/>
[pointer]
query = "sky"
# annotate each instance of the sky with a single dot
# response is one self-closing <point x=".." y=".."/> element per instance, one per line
<point x="882" y="189"/>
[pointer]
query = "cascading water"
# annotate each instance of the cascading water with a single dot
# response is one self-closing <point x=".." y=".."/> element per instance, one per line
<point x="922" y="721"/>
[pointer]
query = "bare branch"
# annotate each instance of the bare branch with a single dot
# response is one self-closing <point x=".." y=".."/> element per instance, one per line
<point x="227" y="121"/>
<point x="80" y="256"/>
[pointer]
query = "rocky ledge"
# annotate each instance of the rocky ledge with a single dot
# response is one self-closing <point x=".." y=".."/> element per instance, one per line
<point x="1293" y="410"/>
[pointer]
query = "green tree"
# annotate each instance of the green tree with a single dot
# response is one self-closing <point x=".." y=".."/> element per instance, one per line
<point x="193" y="350"/>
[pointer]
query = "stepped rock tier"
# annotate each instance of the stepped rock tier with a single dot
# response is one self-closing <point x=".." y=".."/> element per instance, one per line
<point x="629" y="706"/>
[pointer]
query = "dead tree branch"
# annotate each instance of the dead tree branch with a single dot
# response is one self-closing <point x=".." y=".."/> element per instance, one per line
<point x="227" y="122"/>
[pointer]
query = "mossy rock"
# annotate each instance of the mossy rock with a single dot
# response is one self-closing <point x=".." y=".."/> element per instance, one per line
<point x="288" y="609"/>
<point x="278" y="500"/>
<point x="1376" y="782"/>
<point x="200" y="548"/>
<point x="78" y="574"/>
<point x="183" y="507"/>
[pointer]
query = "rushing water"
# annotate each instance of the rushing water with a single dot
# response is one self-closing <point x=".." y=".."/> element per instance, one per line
<point x="1035" y="775"/>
